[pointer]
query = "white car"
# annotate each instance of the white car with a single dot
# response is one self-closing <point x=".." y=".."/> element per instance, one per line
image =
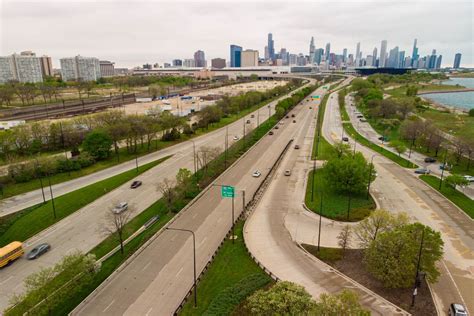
<point x="469" y="178"/>
<point x="121" y="207"/>
<point x="236" y="137"/>
<point x="256" y="174"/>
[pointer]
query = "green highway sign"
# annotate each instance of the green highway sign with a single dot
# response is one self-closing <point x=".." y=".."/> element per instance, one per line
<point x="227" y="191"/>
<point x="315" y="96"/>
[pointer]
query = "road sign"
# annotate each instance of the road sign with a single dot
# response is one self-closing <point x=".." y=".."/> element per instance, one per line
<point x="315" y="96"/>
<point x="227" y="191"/>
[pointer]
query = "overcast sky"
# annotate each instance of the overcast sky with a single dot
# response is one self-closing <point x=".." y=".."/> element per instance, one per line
<point x="131" y="33"/>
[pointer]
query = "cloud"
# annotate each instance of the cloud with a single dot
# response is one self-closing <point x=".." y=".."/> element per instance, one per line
<point x="135" y="32"/>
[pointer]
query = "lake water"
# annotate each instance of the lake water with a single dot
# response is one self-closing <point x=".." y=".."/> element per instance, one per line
<point x="463" y="100"/>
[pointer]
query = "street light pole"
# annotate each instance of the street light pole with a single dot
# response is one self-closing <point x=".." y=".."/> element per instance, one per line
<point x="136" y="162"/>
<point x="194" y="257"/>
<point x="194" y="159"/>
<point x="442" y="169"/>
<point x="320" y="218"/>
<point x="370" y="174"/>
<point x="52" y="197"/>
<point x="225" y="144"/>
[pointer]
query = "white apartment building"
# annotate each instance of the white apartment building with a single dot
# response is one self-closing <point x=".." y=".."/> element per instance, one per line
<point x="249" y="58"/>
<point x="25" y="67"/>
<point x="80" y="68"/>
<point x="188" y="63"/>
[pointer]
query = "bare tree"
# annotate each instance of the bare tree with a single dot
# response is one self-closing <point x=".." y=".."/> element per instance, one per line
<point x="115" y="224"/>
<point x="166" y="187"/>
<point x="344" y="238"/>
<point x="205" y="155"/>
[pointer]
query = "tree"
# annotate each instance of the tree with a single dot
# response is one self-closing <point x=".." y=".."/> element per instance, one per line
<point x="471" y="112"/>
<point x="378" y="222"/>
<point x="412" y="91"/>
<point x="343" y="303"/>
<point x="392" y="258"/>
<point x="184" y="181"/>
<point x="411" y="130"/>
<point x="166" y="187"/>
<point x="115" y="224"/>
<point x="455" y="180"/>
<point x="342" y="149"/>
<point x="97" y="144"/>
<point x="399" y="147"/>
<point x="284" y="298"/>
<point x="344" y="238"/>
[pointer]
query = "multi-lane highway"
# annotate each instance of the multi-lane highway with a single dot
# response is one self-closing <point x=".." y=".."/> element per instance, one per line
<point x="83" y="229"/>
<point x="270" y="232"/>
<point x="158" y="278"/>
<point x="398" y="190"/>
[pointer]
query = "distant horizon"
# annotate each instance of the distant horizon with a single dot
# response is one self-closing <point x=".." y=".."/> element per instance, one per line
<point x="131" y="34"/>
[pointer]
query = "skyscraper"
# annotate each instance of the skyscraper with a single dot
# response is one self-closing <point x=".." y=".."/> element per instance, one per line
<point x="271" y="47"/>
<point x="235" y="56"/>
<point x="344" y="55"/>
<point x="312" y="50"/>
<point x="25" y="67"/>
<point x="432" y="60"/>
<point x="284" y="55"/>
<point x="328" y="51"/>
<point x="438" y="62"/>
<point x="457" y="61"/>
<point x="401" y="59"/>
<point x="199" y="59"/>
<point x="250" y="58"/>
<point x="414" y="55"/>
<point x="374" y="56"/>
<point x="383" y="54"/>
<point x="318" y="55"/>
<point x="393" y="58"/>
<point x="357" y="55"/>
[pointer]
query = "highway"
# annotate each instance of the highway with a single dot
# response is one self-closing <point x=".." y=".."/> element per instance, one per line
<point x="83" y="230"/>
<point x="158" y="278"/>
<point x="272" y="230"/>
<point x="397" y="189"/>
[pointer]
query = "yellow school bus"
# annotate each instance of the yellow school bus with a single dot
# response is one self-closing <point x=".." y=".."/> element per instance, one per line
<point x="10" y="252"/>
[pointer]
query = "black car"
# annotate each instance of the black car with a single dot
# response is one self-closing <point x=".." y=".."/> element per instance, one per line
<point x="270" y="133"/>
<point x="136" y="184"/>
<point x="345" y="139"/>
<point x="287" y="116"/>
<point x="38" y="251"/>
<point x="294" y="121"/>
<point x="430" y="159"/>
<point x="292" y="115"/>
<point x="276" y="127"/>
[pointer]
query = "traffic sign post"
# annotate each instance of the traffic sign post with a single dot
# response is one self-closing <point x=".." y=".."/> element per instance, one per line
<point x="227" y="191"/>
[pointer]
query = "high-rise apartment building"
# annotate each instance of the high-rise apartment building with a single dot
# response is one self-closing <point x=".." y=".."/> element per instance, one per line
<point x="235" y="56"/>
<point x="284" y="55"/>
<point x="249" y="58"/>
<point x="199" y="59"/>
<point x="271" y="47"/>
<point x="457" y="61"/>
<point x="383" y="54"/>
<point x="292" y="59"/>
<point x="25" y="67"/>
<point x="80" y="68"/>
<point x="218" y="63"/>
<point x="46" y="66"/>
<point x="189" y="63"/>
<point x="107" y="68"/>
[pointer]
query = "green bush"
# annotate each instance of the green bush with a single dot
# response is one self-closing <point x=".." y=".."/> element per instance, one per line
<point x="225" y="302"/>
<point x="471" y="112"/>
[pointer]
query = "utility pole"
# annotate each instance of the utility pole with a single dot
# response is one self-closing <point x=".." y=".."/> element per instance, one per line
<point x="225" y="144"/>
<point x="415" y="288"/>
<point x="194" y="259"/>
<point x="194" y="159"/>
<point x="52" y="197"/>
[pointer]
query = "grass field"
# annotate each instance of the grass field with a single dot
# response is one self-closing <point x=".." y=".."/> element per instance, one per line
<point x="335" y="203"/>
<point x="458" y="198"/>
<point x="25" y="224"/>
<point x="231" y="265"/>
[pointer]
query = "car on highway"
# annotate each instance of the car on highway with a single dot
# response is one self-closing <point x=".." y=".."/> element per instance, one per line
<point x="294" y="121"/>
<point x="38" y="251"/>
<point x="121" y="207"/>
<point x="297" y="146"/>
<point x="457" y="309"/>
<point x="310" y="108"/>
<point x="469" y="178"/>
<point x="430" y="159"/>
<point x="292" y="115"/>
<point x="287" y="116"/>
<point x="422" y="171"/>
<point x="256" y="174"/>
<point x="276" y="127"/>
<point x="135" y="184"/>
<point x="287" y="173"/>
<point x="345" y="139"/>
<point x="359" y="116"/>
<point x="248" y="121"/>
<point x="252" y="116"/>
<point x="236" y="137"/>
<point x="363" y="120"/>
<point x="270" y="133"/>
<point x="383" y="138"/>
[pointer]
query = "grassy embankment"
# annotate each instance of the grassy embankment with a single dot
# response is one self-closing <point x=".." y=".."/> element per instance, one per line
<point x="26" y="223"/>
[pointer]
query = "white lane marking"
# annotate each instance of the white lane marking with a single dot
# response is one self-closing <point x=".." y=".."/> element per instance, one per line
<point x="6" y="280"/>
<point x="149" y="311"/>
<point x="455" y="285"/>
<point x="180" y="270"/>
<point x="147" y="265"/>
<point x="108" y="306"/>
<point x="202" y="241"/>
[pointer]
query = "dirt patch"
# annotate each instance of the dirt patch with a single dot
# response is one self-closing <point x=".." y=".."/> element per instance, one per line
<point x="352" y="265"/>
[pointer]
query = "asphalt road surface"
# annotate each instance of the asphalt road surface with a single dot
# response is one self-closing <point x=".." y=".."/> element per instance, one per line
<point x="272" y="231"/>
<point x="398" y="190"/>
<point x="158" y="278"/>
<point x="84" y="229"/>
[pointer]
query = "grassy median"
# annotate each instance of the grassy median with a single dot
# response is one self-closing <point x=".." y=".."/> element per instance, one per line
<point x="458" y="198"/>
<point x="26" y="223"/>
<point x="335" y="204"/>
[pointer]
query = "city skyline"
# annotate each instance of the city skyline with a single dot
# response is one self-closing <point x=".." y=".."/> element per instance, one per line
<point x="455" y="37"/>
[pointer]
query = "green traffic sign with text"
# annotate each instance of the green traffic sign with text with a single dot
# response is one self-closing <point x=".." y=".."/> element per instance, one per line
<point x="227" y="191"/>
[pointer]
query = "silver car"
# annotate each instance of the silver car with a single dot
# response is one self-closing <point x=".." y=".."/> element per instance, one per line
<point x="38" y="251"/>
<point x="121" y="207"/>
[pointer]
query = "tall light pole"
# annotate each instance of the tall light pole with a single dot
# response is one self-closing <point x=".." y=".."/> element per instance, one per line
<point x="41" y="180"/>
<point x="194" y="259"/>
<point x="370" y="174"/>
<point x="52" y="197"/>
<point x="320" y="217"/>
<point x="442" y="169"/>
<point x="225" y="144"/>
<point x="194" y="159"/>
<point x="415" y="287"/>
